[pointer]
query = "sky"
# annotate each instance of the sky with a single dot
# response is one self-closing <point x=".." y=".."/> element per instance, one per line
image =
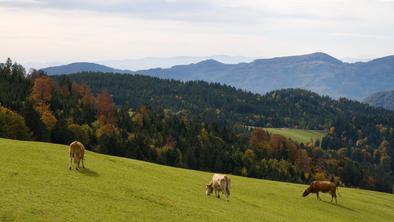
<point x="97" y="30"/>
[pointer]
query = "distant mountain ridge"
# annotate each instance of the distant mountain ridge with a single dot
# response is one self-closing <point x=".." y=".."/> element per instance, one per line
<point x="168" y="62"/>
<point x="318" y="72"/>
<point x="381" y="99"/>
<point x="82" y="67"/>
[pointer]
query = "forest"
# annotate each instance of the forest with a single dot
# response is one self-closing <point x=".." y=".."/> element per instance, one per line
<point x="201" y="125"/>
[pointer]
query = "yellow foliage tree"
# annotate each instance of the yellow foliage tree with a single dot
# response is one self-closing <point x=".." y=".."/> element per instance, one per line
<point x="12" y="125"/>
<point x="320" y="175"/>
<point x="48" y="119"/>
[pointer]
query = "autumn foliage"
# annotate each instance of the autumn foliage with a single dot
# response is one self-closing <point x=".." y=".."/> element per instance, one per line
<point x="12" y="125"/>
<point x="105" y="108"/>
<point x="42" y="90"/>
<point x="40" y="97"/>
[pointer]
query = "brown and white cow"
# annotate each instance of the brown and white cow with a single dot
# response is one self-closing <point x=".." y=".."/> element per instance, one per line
<point x="322" y="186"/>
<point x="219" y="183"/>
<point x="77" y="153"/>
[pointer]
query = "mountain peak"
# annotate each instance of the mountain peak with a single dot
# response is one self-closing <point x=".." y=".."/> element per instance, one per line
<point x="317" y="56"/>
<point x="81" y="67"/>
<point x="323" y="57"/>
<point x="209" y="62"/>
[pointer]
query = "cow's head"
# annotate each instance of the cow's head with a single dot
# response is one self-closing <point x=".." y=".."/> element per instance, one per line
<point x="308" y="190"/>
<point x="208" y="189"/>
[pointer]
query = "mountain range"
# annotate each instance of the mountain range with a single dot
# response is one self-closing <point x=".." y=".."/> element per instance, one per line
<point x="168" y="62"/>
<point x="318" y="72"/>
<point x="153" y="62"/>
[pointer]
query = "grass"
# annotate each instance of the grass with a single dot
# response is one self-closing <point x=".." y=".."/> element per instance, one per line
<point x="299" y="135"/>
<point x="36" y="185"/>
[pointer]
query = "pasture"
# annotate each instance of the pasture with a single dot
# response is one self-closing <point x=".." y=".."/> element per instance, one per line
<point x="299" y="135"/>
<point x="36" y="185"/>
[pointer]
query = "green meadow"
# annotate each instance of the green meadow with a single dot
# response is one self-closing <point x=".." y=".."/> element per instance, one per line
<point x="299" y="135"/>
<point x="36" y="185"/>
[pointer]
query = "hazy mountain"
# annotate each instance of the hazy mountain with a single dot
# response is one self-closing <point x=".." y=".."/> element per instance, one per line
<point x="318" y="72"/>
<point x="81" y="67"/>
<point x="167" y="62"/>
<point x="381" y="99"/>
<point x="149" y="62"/>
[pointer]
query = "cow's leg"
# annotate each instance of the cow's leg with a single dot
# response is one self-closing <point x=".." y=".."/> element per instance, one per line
<point x="218" y="194"/>
<point x="76" y="164"/>
<point x="334" y="195"/>
<point x="83" y="165"/>
<point x="226" y="194"/>
<point x="71" y="162"/>
<point x="317" y="196"/>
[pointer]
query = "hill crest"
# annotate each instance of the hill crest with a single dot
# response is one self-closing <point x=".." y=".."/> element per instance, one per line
<point x="81" y="67"/>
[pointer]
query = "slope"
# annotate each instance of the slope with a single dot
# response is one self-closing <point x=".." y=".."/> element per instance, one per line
<point x="381" y="99"/>
<point x="37" y="186"/>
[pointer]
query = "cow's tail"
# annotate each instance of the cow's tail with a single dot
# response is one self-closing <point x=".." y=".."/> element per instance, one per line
<point x="228" y="185"/>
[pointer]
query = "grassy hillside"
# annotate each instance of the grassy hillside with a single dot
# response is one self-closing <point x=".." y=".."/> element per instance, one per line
<point x="299" y="135"/>
<point x="36" y="185"/>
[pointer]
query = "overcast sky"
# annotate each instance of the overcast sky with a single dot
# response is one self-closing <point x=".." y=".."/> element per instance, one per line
<point x="93" y="30"/>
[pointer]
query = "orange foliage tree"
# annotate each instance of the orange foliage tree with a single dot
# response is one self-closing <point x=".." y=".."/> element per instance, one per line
<point x="40" y="97"/>
<point x="105" y="108"/>
<point x="42" y="90"/>
<point x="258" y="137"/>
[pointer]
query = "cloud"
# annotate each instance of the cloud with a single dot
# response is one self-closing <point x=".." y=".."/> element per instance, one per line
<point x="104" y="29"/>
<point x="182" y="10"/>
<point x="236" y="11"/>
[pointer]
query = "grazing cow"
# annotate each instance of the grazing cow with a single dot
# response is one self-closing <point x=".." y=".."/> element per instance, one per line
<point x="322" y="186"/>
<point x="77" y="152"/>
<point x="219" y="183"/>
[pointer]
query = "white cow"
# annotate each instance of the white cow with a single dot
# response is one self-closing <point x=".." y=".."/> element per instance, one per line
<point x="77" y="153"/>
<point x="219" y="183"/>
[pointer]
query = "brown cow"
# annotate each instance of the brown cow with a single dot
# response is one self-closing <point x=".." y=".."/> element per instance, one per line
<point x="322" y="186"/>
<point x="77" y="152"/>
<point x="219" y="183"/>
